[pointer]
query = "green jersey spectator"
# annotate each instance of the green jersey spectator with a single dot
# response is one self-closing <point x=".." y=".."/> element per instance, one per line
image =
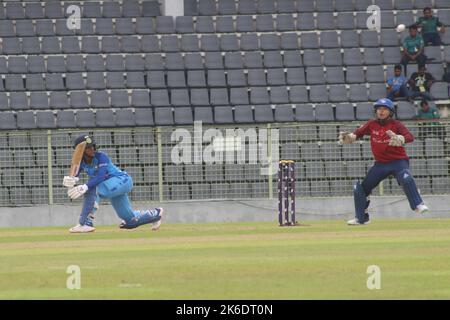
<point x="431" y="26"/>
<point x="427" y="112"/>
<point x="413" y="49"/>
<point x="428" y="127"/>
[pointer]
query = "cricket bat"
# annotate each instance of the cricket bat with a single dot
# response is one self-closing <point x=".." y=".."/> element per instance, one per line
<point x="77" y="156"/>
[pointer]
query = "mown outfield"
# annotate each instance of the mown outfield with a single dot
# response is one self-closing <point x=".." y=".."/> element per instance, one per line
<point x="326" y="260"/>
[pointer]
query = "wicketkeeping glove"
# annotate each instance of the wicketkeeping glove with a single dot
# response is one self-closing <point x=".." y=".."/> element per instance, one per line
<point x="346" y="137"/>
<point x="69" y="181"/>
<point x="397" y="140"/>
<point x="77" y="191"/>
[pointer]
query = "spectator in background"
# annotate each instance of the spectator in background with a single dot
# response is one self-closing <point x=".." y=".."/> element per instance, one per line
<point x="420" y="83"/>
<point x="429" y="127"/>
<point x="413" y="48"/>
<point x="397" y="85"/>
<point x="431" y="26"/>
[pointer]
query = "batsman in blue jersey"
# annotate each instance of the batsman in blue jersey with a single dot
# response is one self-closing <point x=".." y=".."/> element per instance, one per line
<point x="106" y="181"/>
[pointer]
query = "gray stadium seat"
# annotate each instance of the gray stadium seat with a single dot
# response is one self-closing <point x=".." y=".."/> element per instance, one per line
<point x="358" y="92"/>
<point x="114" y="80"/>
<point x="329" y="39"/>
<point x="95" y="81"/>
<point x="276" y="77"/>
<point x="160" y="98"/>
<point x="24" y="28"/>
<point x="18" y="101"/>
<point x="332" y="57"/>
<point x="183" y="115"/>
<point x="304" y="113"/>
<point x="391" y="55"/>
<point x="174" y="61"/>
<point x="224" y="24"/>
<point x="150" y="43"/>
<point x="135" y="79"/>
<point x="184" y="24"/>
<point x="163" y="116"/>
<point x="45" y="120"/>
<point x="388" y="20"/>
<point x="434" y="53"/>
<point x="338" y="93"/>
<point x="216" y="78"/>
<point x="79" y="100"/>
<point x="85" y="119"/>
<point x="253" y="60"/>
<point x="249" y="42"/>
<point x="345" y="112"/>
<point x="7" y="121"/>
<point x="345" y="20"/>
<point x="349" y="39"/>
<point x="295" y="76"/>
<point x="352" y="57"/>
<point x="375" y="74"/>
<point x="405" y="110"/>
<point x="289" y="41"/>
<point x="143" y="117"/>
<point x="325" y="21"/>
<point x="189" y="42"/>
<point x="364" y="111"/>
<point x="229" y="42"/>
<point x="219" y="97"/>
<point x="58" y="100"/>
<point x="199" y="97"/>
<point x="298" y="94"/>
<point x="65" y="119"/>
<point x="309" y="40"/>
<point x="132" y="44"/>
<point x="324" y="112"/>
<point x="119" y="99"/>
<point x="256" y="77"/>
<point x="70" y="45"/>
<point x="372" y="56"/>
<point x="279" y="95"/>
<point x="369" y="38"/>
<point x="196" y="79"/>
<point x="259" y="95"/>
<point x="92" y="45"/>
<point x="334" y="75"/>
<point x="140" y="98"/>
<point x="233" y="60"/>
<point x="439" y="90"/>
<point x="179" y="97"/>
<point x="99" y="99"/>
<point x="284" y="113"/>
<point x="264" y="23"/>
<point x="245" y="24"/>
<point x="285" y="22"/>
<point x="318" y="93"/>
<point x="26" y="120"/>
<point x="207" y="7"/>
<point x="204" y="25"/>
<point x="239" y="96"/>
<point x="203" y="114"/>
<point x="36" y="64"/>
<point x="236" y="78"/>
<point x="263" y="113"/>
<point x="225" y="7"/>
<point x="305" y="21"/>
<point x="11" y="46"/>
<point x="39" y="100"/>
<point x="269" y="42"/>
<point x="16" y="65"/>
<point x="125" y="118"/>
<point x="223" y="114"/>
<point x="242" y="114"/>
<point x="165" y="24"/>
<point x="193" y="61"/>
<point x="34" y="10"/>
<point x="115" y="63"/>
<point x="312" y="58"/>
<point x="355" y="74"/>
<point x="105" y="119"/>
<point x="74" y="63"/>
<point x="315" y="75"/>
<point x="209" y="42"/>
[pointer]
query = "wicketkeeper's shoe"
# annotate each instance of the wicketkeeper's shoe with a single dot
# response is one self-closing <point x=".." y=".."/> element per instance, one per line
<point x="422" y="208"/>
<point x="356" y="222"/>
<point x="157" y="224"/>
<point x="81" y="229"/>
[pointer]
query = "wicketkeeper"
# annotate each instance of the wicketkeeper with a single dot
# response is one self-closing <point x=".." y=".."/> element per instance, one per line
<point x="106" y="181"/>
<point x="387" y="137"/>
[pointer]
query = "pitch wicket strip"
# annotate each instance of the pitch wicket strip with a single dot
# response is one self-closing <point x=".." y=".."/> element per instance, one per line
<point x="286" y="188"/>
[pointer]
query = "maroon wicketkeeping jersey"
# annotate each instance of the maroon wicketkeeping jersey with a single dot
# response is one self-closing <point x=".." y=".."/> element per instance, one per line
<point x="379" y="140"/>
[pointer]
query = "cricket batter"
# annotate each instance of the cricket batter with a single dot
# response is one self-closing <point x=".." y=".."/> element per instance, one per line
<point x="387" y="137"/>
<point x="108" y="182"/>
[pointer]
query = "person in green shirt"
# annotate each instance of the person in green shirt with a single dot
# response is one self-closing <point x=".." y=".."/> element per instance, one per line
<point x="413" y="48"/>
<point x="429" y="127"/>
<point x="431" y="26"/>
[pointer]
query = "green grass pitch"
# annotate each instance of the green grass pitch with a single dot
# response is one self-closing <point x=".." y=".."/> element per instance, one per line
<point x="325" y="260"/>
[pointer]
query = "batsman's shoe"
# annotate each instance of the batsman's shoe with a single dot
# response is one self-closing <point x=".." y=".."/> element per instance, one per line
<point x="81" y="229"/>
<point x="356" y="222"/>
<point x="157" y="224"/>
<point x="422" y="208"/>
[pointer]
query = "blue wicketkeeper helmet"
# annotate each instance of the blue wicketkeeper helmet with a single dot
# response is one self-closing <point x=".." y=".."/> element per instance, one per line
<point x="384" y="102"/>
<point x="90" y="141"/>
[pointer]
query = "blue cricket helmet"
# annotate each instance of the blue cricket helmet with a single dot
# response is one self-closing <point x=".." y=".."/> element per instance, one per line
<point x="384" y="102"/>
<point x="84" y="137"/>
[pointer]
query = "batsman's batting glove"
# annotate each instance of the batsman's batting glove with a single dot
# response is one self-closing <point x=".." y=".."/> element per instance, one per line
<point x="78" y="191"/>
<point x="69" y="181"/>
<point x="346" y="137"/>
<point x="397" y="140"/>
